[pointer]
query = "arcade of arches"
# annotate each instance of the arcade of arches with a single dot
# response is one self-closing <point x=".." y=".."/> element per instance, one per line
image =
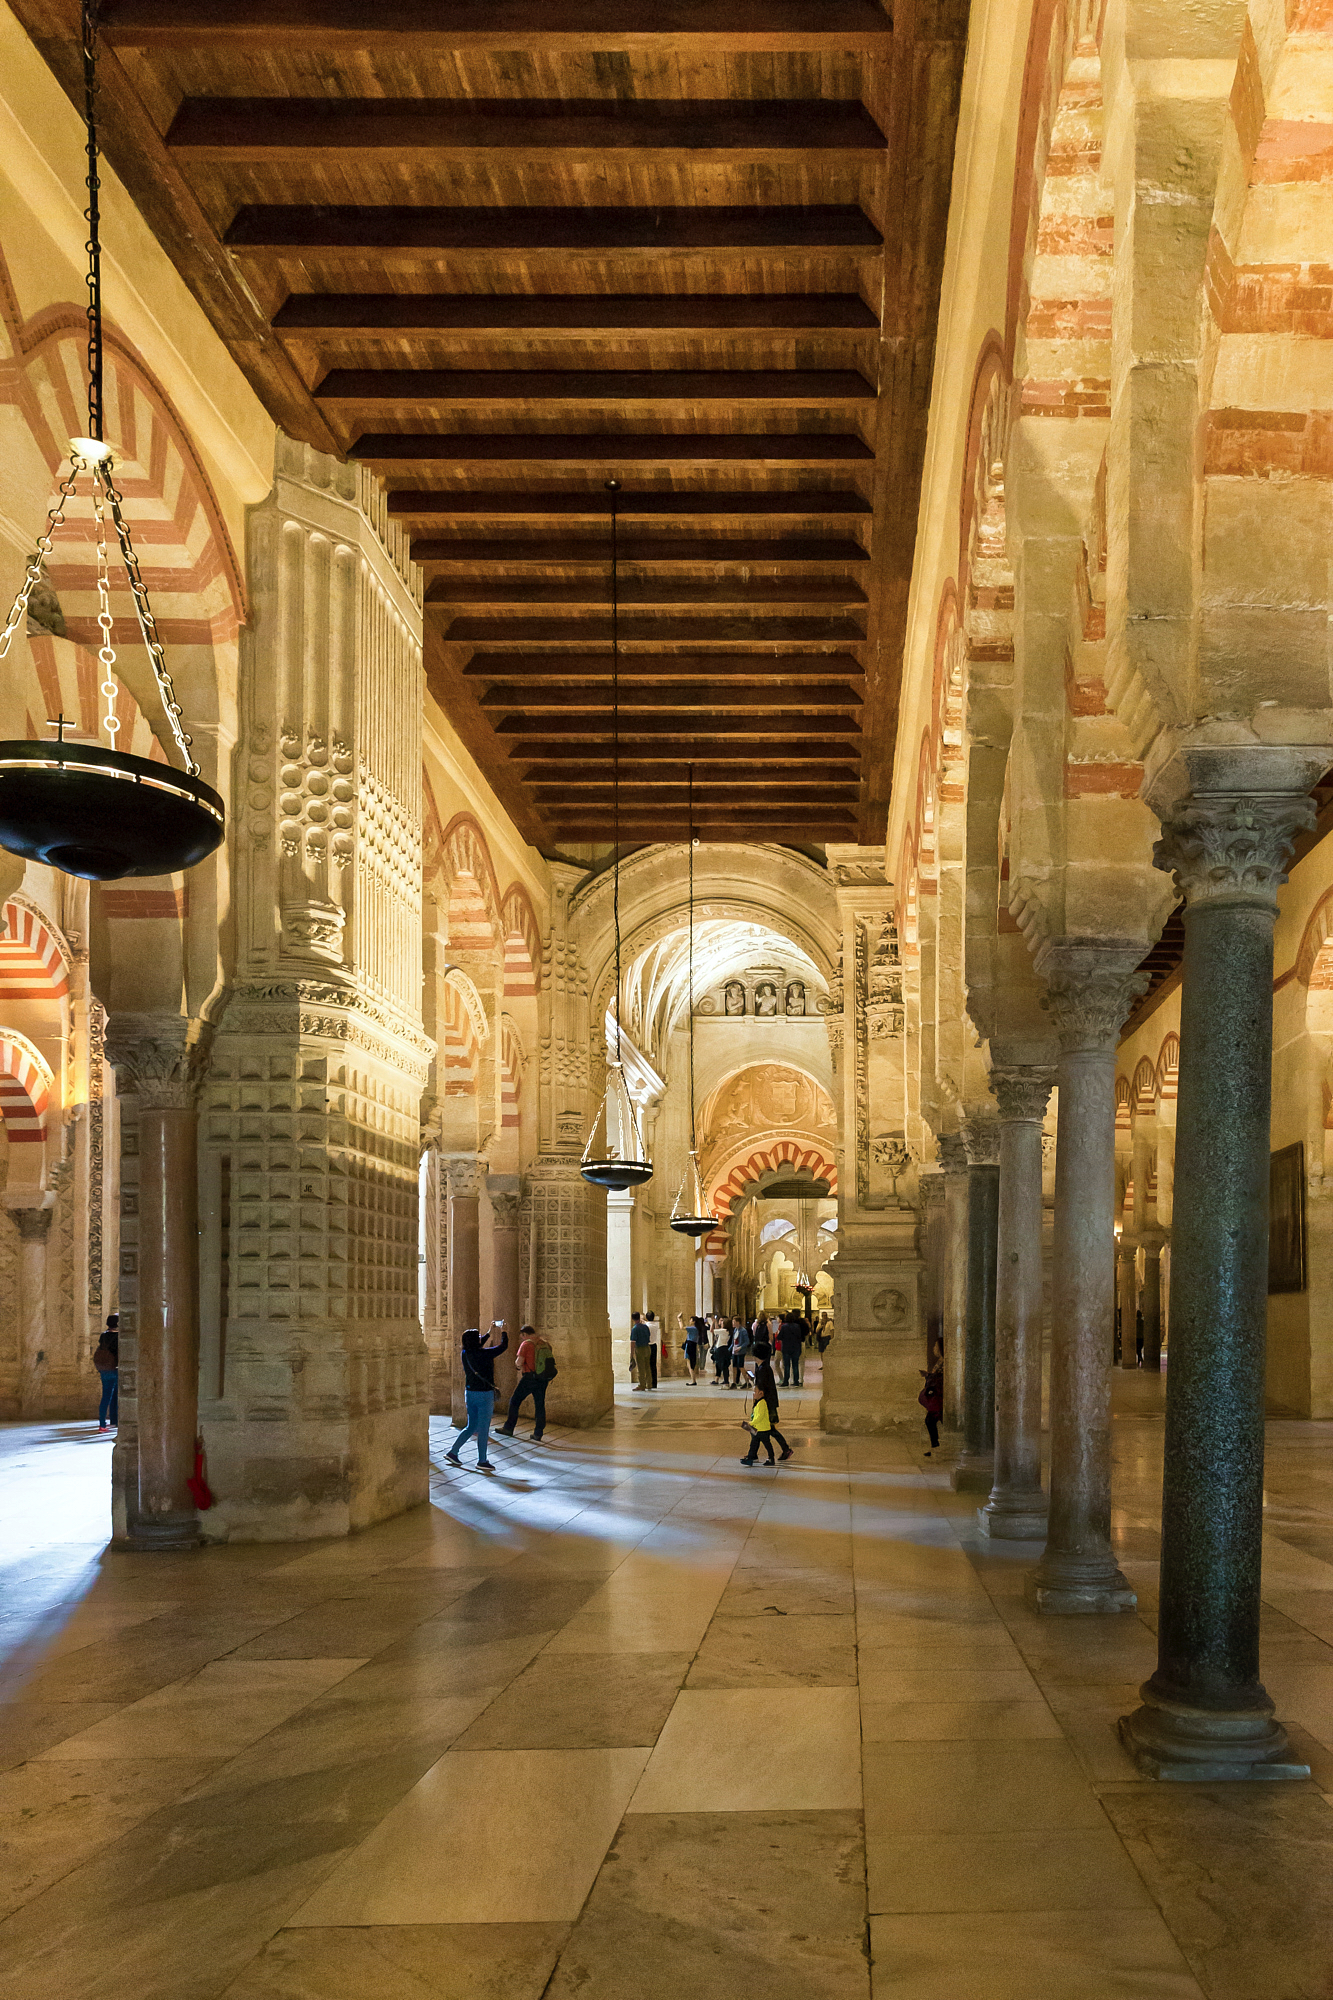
<point x="969" y="379"/>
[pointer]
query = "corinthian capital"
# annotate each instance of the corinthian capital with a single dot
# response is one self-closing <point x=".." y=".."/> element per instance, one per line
<point x="1232" y="846"/>
<point x="1091" y="984"/>
<point x="981" y="1138"/>
<point x="952" y="1152"/>
<point x="161" y="1059"/>
<point x="1022" y="1091"/>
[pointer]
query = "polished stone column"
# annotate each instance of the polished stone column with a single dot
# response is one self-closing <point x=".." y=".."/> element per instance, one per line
<point x="1152" y="1303"/>
<point x="1205" y="1712"/>
<point x="1127" y="1282"/>
<point x="1016" y="1509"/>
<point x="1090" y="987"/>
<point x="34" y="1228"/>
<point x="975" y="1470"/>
<point x="463" y="1182"/>
<point x="953" y="1159"/>
<point x="160" y="1061"/>
<point x="505" y="1191"/>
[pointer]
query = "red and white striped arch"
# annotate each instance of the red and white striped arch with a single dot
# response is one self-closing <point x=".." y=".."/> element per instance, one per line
<point x="26" y="1086"/>
<point x="511" y="1078"/>
<point x="458" y="1046"/>
<point x="735" y="1177"/>
<point x="523" y="950"/>
<point x="184" y="551"/>
<point x="32" y="965"/>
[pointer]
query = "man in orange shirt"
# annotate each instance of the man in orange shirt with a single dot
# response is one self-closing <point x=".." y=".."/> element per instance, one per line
<point x="536" y="1370"/>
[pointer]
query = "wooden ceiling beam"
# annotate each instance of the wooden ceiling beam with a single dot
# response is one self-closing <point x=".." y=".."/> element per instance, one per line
<point x="519" y="26"/>
<point x="630" y="316"/>
<point x="587" y="553"/>
<point x="681" y="751"/>
<point x="637" y="131"/>
<point x="683" y="723"/>
<point x="428" y="392"/>
<point x="707" y="667"/>
<point x="759" y="592"/>
<point x="742" y="631"/>
<point x="534" y="231"/>
<point x="741" y="796"/>
<point x="781" y="698"/>
<point x="662" y="777"/>
<point x="396" y="450"/>
<point x="595" y="505"/>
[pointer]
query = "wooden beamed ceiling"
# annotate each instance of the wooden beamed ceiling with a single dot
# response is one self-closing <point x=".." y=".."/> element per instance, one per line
<point x="505" y="251"/>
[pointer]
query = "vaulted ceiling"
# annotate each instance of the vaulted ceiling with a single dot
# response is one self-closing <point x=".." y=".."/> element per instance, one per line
<point x="506" y="251"/>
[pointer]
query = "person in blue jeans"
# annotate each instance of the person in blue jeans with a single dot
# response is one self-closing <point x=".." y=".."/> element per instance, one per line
<point x="107" y="1363"/>
<point x="479" y="1391"/>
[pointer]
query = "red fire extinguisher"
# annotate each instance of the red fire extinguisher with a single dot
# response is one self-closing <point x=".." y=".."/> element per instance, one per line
<point x="198" y="1480"/>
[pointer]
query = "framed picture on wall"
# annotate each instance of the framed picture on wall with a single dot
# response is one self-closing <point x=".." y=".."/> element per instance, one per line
<point x="1286" y="1219"/>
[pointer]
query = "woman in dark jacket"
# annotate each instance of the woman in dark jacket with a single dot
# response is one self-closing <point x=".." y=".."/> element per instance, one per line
<point x="766" y="1390"/>
<point x="479" y="1391"/>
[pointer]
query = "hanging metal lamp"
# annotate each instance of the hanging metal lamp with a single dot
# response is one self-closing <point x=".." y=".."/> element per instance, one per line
<point x="690" y="1216"/>
<point x="623" y="1164"/>
<point x="101" y="813"/>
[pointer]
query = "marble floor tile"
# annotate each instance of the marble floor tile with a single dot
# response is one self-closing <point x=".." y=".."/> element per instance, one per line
<point x="1046" y="1955"/>
<point x="776" y="1651"/>
<point x="726" y="1751"/>
<point x="404" y="1962"/>
<point x="344" y="1627"/>
<point x="1007" y="1787"/>
<point x="442" y="1667"/>
<point x="214" y="1713"/>
<point x="716" y="1905"/>
<point x="650" y="1605"/>
<point x="447" y="1851"/>
<point x="946" y="1873"/>
<point x="944" y="1683"/>
<point x="955" y="1722"/>
<point x="1241" y="1874"/>
<point x="29" y="1727"/>
<point x="577" y="1701"/>
<point x="336" y="1760"/>
<point x="777" y="1588"/>
<point x="55" y="1815"/>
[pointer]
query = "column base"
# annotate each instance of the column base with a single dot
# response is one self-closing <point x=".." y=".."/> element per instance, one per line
<point x="1078" y="1587"/>
<point x="974" y="1472"/>
<point x="165" y="1532"/>
<point x="1206" y="1746"/>
<point x="1019" y="1517"/>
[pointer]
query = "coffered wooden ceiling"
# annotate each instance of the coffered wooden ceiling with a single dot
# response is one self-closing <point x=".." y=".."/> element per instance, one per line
<point x="503" y="251"/>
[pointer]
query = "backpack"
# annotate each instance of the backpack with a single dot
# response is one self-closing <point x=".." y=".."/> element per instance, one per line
<point x="546" y="1366"/>
<point x="104" y="1360"/>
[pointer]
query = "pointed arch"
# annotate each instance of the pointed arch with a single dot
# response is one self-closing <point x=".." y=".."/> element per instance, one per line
<point x="33" y="961"/>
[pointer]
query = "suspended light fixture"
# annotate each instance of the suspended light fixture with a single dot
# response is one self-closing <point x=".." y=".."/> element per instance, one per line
<point x="623" y="1164"/>
<point x="691" y="1216"/>
<point x="102" y="814"/>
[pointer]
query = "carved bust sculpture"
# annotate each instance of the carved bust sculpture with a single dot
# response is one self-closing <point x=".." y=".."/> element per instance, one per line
<point x="733" y="997"/>
<point x="766" y="997"/>
<point x="796" y="997"/>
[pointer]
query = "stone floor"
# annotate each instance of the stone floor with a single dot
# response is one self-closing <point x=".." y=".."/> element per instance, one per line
<point x="628" y="1722"/>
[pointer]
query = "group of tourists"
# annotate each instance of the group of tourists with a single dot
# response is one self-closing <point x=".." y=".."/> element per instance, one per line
<point x="730" y="1345"/>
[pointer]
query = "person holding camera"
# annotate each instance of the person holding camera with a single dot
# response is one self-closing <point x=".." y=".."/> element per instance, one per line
<point x="479" y="1391"/>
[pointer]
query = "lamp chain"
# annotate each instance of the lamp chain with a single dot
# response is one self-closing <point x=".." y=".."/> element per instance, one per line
<point x="106" y="652"/>
<point x="92" y="217"/>
<point x="32" y="576"/>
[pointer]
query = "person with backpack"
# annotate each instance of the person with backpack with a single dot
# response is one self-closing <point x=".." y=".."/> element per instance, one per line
<point x="107" y="1363"/>
<point x="536" y="1372"/>
<point x="763" y="1419"/>
<point x="479" y="1392"/>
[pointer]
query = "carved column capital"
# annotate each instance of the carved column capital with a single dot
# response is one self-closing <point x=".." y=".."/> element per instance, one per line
<point x="33" y="1224"/>
<point x="1091" y="984"/>
<point x="1232" y="847"/>
<point x="463" y="1174"/>
<point x="981" y="1138"/>
<point x="952" y="1152"/>
<point x="1022" y="1091"/>
<point x="160" y="1059"/>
